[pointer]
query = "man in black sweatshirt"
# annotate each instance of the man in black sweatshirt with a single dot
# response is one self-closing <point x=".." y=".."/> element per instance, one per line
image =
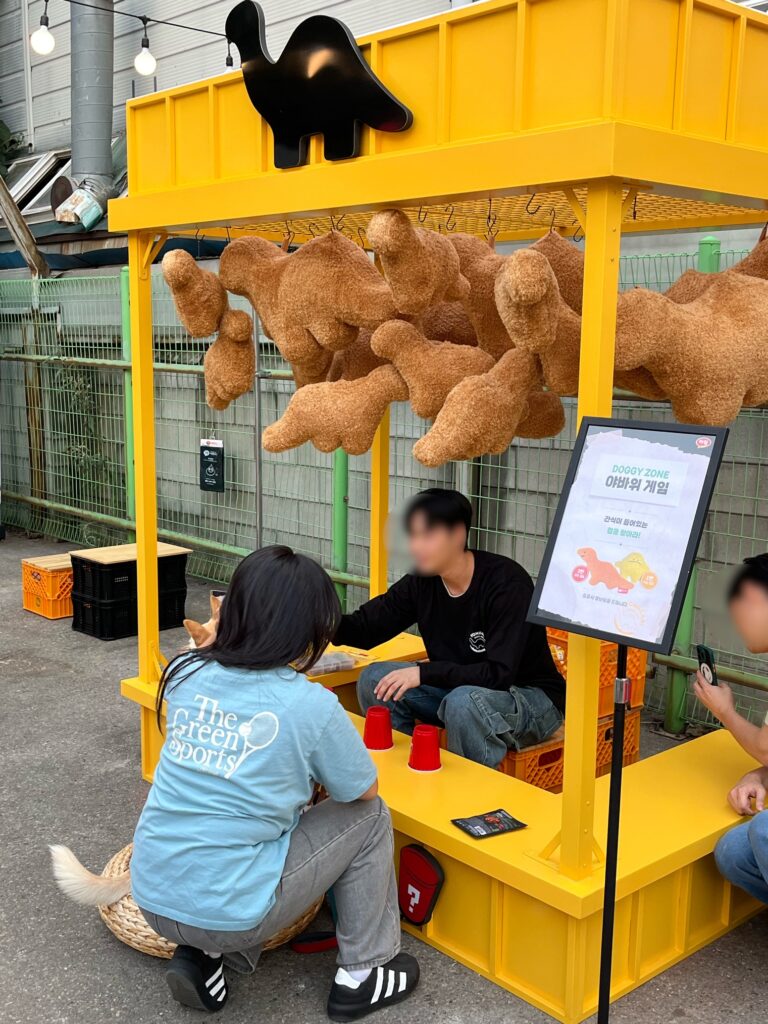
<point x="490" y="679"/>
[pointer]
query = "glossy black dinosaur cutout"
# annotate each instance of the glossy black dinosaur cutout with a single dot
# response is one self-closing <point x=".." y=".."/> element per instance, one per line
<point x="320" y="85"/>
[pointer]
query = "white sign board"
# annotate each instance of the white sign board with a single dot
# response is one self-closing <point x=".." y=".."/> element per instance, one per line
<point x="626" y="530"/>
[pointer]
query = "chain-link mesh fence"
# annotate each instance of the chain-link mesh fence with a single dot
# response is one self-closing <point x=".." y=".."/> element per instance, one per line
<point x="67" y="457"/>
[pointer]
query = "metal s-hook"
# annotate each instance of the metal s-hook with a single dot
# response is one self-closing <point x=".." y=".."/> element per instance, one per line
<point x="361" y="236"/>
<point x="576" y="236"/>
<point x="528" y="210"/>
<point x="450" y="220"/>
<point x="313" y="229"/>
<point x="490" y="222"/>
<point x="288" y="238"/>
<point x="553" y="214"/>
<point x="422" y="215"/>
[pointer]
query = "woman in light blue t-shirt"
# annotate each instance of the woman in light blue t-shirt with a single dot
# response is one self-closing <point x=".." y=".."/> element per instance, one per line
<point x="223" y="857"/>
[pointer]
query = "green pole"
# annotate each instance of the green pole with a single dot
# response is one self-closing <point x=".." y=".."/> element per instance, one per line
<point x="128" y="449"/>
<point x="677" y="687"/>
<point x="709" y="254"/>
<point x="340" y="524"/>
<point x="674" y="714"/>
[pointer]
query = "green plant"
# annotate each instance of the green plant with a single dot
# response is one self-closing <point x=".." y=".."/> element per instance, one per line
<point x="11" y="146"/>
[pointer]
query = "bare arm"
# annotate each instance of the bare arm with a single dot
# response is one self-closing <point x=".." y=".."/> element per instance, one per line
<point x="371" y="793"/>
<point x="719" y="700"/>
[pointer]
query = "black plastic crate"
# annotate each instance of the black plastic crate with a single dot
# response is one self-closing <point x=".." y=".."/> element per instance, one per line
<point x="117" y="581"/>
<point x="113" y="620"/>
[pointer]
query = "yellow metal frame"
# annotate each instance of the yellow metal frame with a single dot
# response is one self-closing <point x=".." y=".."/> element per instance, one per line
<point x="597" y="115"/>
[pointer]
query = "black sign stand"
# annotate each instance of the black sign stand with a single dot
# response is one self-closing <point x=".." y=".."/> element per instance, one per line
<point x="620" y="701"/>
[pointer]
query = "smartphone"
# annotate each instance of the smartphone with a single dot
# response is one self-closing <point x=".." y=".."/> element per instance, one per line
<point x="706" y="658"/>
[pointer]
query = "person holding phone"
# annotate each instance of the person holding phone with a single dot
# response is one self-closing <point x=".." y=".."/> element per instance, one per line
<point x="742" y="853"/>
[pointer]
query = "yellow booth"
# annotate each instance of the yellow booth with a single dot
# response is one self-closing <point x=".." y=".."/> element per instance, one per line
<point x="619" y="115"/>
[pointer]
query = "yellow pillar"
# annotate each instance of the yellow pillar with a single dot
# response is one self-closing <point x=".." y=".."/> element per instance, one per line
<point x="379" y="508"/>
<point x="598" y="331"/>
<point x="141" y="249"/>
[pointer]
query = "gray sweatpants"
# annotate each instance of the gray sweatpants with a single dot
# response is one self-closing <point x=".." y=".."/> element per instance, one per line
<point x="347" y="847"/>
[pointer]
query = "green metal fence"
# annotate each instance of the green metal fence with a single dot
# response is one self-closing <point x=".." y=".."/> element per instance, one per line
<point x="67" y="462"/>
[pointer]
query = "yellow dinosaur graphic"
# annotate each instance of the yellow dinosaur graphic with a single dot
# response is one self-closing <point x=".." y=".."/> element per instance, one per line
<point x="633" y="567"/>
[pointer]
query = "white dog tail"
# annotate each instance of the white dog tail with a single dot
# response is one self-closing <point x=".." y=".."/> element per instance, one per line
<point x="83" y="886"/>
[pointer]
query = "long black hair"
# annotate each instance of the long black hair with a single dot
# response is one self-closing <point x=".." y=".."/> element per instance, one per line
<point x="280" y="609"/>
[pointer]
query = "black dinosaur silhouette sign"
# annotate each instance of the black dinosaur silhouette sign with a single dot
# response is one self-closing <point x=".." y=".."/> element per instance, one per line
<point x="320" y="85"/>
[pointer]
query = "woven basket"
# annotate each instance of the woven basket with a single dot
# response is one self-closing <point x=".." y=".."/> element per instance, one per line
<point x="126" y="922"/>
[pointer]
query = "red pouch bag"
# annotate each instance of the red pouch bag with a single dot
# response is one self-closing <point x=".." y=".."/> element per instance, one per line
<point x="421" y="879"/>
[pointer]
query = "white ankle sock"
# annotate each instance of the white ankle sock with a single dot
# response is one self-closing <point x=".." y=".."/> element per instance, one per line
<point x="351" y="979"/>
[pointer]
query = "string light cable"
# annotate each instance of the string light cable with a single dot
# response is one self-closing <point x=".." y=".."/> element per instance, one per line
<point x="43" y="41"/>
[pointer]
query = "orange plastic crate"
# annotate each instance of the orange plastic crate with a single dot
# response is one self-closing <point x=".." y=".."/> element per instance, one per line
<point x="46" y="586"/>
<point x="636" y="666"/>
<point x="542" y="765"/>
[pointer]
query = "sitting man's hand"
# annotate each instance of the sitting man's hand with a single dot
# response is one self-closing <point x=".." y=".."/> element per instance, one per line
<point x="719" y="699"/>
<point x="747" y="790"/>
<point x="394" y="684"/>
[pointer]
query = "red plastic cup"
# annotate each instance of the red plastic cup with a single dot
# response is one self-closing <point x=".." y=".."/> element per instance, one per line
<point x="425" y="749"/>
<point x="378" y="729"/>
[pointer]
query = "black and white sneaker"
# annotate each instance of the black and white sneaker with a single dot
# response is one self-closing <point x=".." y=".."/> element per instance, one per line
<point x="196" y="979"/>
<point x="383" y="987"/>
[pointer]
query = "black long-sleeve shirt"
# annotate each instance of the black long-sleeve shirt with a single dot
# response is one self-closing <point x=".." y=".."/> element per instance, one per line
<point x="480" y="638"/>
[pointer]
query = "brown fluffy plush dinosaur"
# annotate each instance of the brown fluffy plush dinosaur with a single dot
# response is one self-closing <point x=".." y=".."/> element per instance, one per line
<point x="534" y="313"/>
<point x="198" y="295"/>
<point x="422" y="267"/>
<point x="230" y="362"/>
<point x="429" y="368"/>
<point x="693" y="283"/>
<point x="339" y="414"/>
<point x="480" y="265"/>
<point x="357" y="360"/>
<point x="482" y="414"/>
<point x="567" y="262"/>
<point x="447" y="321"/>
<point x="710" y="355"/>
<point x="311" y="302"/>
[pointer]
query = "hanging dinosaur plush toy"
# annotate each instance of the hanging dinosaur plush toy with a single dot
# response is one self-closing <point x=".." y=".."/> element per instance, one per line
<point x="541" y="322"/>
<point x="198" y="295"/>
<point x="693" y="283"/>
<point x="430" y="369"/>
<point x="202" y="307"/>
<point x="230" y="362"/>
<point x="483" y="413"/>
<point x="479" y="264"/>
<point x="709" y="356"/>
<point x="338" y="414"/>
<point x="311" y="302"/>
<point x="422" y="267"/>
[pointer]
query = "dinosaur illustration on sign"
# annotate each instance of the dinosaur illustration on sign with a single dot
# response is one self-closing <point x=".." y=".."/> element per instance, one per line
<point x="320" y="85"/>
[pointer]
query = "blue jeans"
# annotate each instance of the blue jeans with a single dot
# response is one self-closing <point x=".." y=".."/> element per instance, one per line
<point x="742" y="856"/>
<point x="480" y="724"/>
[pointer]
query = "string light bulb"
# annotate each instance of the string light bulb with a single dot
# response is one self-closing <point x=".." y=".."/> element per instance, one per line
<point x="145" y="63"/>
<point x="42" y="39"/>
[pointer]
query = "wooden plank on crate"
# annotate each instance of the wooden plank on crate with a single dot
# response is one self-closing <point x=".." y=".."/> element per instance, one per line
<point x="126" y="553"/>
<point x="50" y="562"/>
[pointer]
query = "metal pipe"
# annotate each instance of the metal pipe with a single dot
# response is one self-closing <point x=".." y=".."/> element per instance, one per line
<point x="184" y="539"/>
<point x="730" y="675"/>
<point x="92" y="70"/>
<point x="27" y="65"/>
